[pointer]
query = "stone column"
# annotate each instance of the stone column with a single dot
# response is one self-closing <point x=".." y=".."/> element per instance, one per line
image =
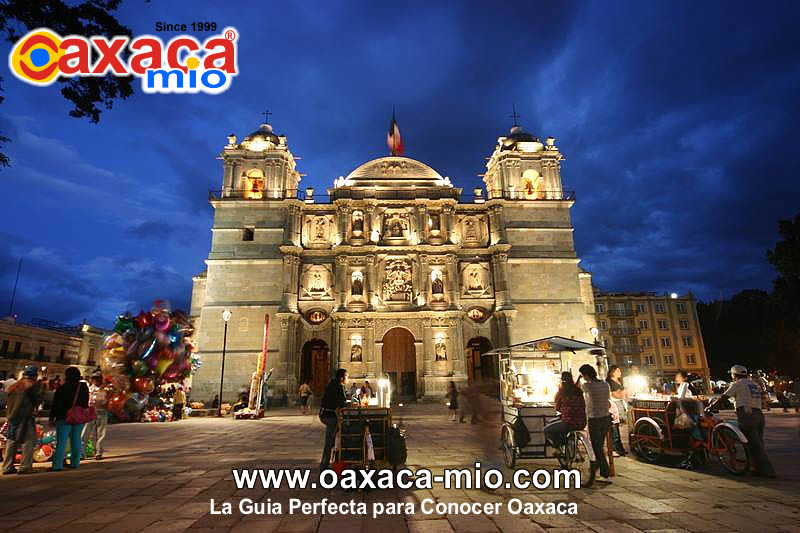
<point x="500" y="272"/>
<point x="448" y="223"/>
<point x="343" y="219"/>
<point x="419" y="281"/>
<point x="368" y="345"/>
<point x="369" y="216"/>
<point x="500" y="224"/>
<point x="424" y="288"/>
<point x="341" y="280"/>
<point x="371" y="280"/>
<point x="333" y="354"/>
<point x="227" y="181"/>
<point x="294" y="283"/>
<point x="288" y="265"/>
<point x="422" y="224"/>
<point x="285" y="357"/>
<point x="298" y="226"/>
<point x="459" y="364"/>
<point x="452" y="281"/>
<point x="292" y="355"/>
<point x="494" y="233"/>
<point x="427" y="339"/>
<point x="288" y="227"/>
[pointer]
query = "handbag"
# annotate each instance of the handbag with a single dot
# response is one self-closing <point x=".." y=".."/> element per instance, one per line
<point x="78" y="414"/>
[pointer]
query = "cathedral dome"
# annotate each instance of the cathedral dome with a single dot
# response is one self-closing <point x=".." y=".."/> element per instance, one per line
<point x="394" y="172"/>
<point x="263" y="133"/>
<point x="521" y="140"/>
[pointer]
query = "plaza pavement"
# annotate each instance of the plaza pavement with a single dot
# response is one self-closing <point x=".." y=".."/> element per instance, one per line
<point x="160" y="478"/>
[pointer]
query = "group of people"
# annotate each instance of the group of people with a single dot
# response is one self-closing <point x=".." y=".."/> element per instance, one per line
<point x="24" y="398"/>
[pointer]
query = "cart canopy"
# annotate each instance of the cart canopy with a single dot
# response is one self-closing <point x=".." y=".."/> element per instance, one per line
<point x="539" y="347"/>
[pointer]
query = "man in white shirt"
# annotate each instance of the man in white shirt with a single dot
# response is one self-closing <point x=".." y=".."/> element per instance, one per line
<point x="746" y="395"/>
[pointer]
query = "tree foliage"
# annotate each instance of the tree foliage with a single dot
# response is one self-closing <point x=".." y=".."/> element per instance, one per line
<point x="88" y="95"/>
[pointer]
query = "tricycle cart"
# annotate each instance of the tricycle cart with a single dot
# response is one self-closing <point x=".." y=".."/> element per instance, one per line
<point x="529" y="376"/>
<point x="654" y="434"/>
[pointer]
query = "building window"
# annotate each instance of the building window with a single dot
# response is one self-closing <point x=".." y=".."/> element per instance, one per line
<point x="681" y="307"/>
<point x="641" y="308"/>
<point x="662" y="324"/>
<point x="666" y="342"/>
<point x="687" y="341"/>
<point x="599" y="308"/>
<point x="603" y="324"/>
<point x="248" y="234"/>
<point x="4" y="349"/>
<point x="91" y="356"/>
<point x="643" y="324"/>
<point x="684" y="324"/>
<point x="17" y="348"/>
<point x="690" y="359"/>
<point x="650" y="360"/>
<point x="669" y="360"/>
<point x="647" y="342"/>
<point x="659" y="307"/>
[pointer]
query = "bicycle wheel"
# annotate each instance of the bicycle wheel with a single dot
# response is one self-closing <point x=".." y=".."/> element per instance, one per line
<point x="577" y="458"/>
<point x="732" y="453"/>
<point x="509" y="450"/>
<point x="647" y="442"/>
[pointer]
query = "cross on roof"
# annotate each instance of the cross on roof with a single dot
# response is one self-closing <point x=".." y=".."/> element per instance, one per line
<point x="514" y="115"/>
<point x="266" y="116"/>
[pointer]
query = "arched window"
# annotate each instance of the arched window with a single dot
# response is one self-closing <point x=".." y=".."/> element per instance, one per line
<point x="253" y="184"/>
<point x="532" y="185"/>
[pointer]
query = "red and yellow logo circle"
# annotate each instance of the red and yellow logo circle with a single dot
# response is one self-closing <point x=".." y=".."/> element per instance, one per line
<point x="35" y="57"/>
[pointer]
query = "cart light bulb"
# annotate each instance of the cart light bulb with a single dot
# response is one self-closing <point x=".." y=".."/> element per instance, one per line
<point x="399" y="405"/>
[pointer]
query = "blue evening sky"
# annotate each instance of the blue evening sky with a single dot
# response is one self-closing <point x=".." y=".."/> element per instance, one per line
<point x="678" y="121"/>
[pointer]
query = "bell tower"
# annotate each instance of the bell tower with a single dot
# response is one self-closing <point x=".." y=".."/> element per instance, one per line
<point x="260" y="166"/>
<point x="522" y="168"/>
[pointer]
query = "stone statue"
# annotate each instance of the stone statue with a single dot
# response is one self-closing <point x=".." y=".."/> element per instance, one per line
<point x="397" y="282"/>
<point x="471" y="231"/>
<point x="357" y="286"/>
<point x="319" y="233"/>
<point x="437" y="285"/>
<point x="475" y="280"/>
<point x="317" y="282"/>
<point x="441" y="351"/>
<point x="358" y="222"/>
<point x="397" y="229"/>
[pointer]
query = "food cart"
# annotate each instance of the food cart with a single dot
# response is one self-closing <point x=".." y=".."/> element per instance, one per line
<point x="529" y="376"/>
<point x="367" y="437"/>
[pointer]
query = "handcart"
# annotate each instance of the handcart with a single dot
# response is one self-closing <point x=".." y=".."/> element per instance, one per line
<point x="529" y="376"/>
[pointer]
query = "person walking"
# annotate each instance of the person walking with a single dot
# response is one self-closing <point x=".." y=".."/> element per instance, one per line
<point x="452" y="398"/>
<point x="332" y="400"/>
<point x="614" y="380"/>
<point x="24" y="398"/>
<point x="96" y="429"/>
<point x="215" y="401"/>
<point x="305" y="393"/>
<point x="570" y="403"/>
<point x="746" y="393"/>
<point x="597" y="395"/>
<point x="178" y="401"/>
<point x="72" y="392"/>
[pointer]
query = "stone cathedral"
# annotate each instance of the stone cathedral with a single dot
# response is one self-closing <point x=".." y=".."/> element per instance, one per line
<point x="393" y="273"/>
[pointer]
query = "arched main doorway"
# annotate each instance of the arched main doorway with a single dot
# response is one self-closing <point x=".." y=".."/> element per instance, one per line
<point x="400" y="362"/>
<point x="314" y="366"/>
<point x="479" y="367"/>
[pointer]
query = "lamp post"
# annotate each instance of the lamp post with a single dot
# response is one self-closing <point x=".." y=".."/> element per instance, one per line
<point x="226" y="315"/>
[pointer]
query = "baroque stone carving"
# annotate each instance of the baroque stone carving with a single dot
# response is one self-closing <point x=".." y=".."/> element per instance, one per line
<point x="475" y="280"/>
<point x="397" y="285"/>
<point x="316" y="282"/>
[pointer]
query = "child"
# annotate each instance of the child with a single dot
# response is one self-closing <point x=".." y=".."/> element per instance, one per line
<point x="452" y="396"/>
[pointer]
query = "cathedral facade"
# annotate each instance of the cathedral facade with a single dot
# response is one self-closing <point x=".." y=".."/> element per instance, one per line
<point x="394" y="273"/>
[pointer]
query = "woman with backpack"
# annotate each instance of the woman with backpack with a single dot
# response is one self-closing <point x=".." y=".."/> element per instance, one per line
<point x="73" y="393"/>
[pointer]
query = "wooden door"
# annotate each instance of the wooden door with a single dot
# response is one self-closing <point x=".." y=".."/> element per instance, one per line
<point x="320" y="371"/>
<point x="400" y="361"/>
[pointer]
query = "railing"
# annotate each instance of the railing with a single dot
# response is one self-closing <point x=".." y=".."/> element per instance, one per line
<point x="413" y="193"/>
<point x="55" y="326"/>
<point x="624" y="331"/>
<point x="626" y="349"/>
<point x="616" y="311"/>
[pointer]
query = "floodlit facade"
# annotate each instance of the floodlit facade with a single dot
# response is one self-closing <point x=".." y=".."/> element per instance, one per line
<point x="393" y="273"/>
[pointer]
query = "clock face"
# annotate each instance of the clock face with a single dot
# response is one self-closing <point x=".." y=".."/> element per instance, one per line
<point x="316" y="316"/>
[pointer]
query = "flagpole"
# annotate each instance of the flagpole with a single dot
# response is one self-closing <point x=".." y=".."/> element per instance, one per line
<point x="14" y="292"/>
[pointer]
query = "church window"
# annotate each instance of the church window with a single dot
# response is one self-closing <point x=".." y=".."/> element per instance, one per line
<point x="254" y="184"/>
<point x="248" y="234"/>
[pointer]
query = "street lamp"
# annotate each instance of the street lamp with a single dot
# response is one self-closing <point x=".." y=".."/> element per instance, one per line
<point x="594" y="331"/>
<point x="226" y="315"/>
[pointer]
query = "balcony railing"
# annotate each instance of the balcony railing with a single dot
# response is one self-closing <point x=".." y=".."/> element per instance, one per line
<point x="620" y="311"/>
<point x="621" y="332"/>
<point x="626" y="349"/>
<point x="414" y="193"/>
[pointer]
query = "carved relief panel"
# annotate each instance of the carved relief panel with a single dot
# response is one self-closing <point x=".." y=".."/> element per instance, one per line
<point x="473" y="230"/>
<point x="318" y="231"/>
<point x="397" y="281"/>
<point x="396" y="227"/>
<point x="476" y="280"/>
<point x="316" y="282"/>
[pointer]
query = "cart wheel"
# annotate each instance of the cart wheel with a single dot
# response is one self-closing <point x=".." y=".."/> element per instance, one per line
<point x="578" y="459"/>
<point x="509" y="450"/>
<point x="646" y="442"/>
<point x="731" y="452"/>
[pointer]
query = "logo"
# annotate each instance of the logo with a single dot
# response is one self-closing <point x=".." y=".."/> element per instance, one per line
<point x="183" y="65"/>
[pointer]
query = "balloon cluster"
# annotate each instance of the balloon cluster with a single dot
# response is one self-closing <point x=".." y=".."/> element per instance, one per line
<point x="143" y="352"/>
<point x="157" y="415"/>
<point x="45" y="443"/>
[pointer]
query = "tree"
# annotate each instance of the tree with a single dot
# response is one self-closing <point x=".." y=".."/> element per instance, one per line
<point x="92" y="17"/>
<point x="786" y="260"/>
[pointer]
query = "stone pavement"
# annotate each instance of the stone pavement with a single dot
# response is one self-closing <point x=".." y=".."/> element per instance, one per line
<point x="161" y="478"/>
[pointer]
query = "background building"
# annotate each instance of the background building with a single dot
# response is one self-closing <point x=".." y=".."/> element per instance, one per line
<point x="393" y="273"/>
<point x="52" y="346"/>
<point x="657" y="333"/>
